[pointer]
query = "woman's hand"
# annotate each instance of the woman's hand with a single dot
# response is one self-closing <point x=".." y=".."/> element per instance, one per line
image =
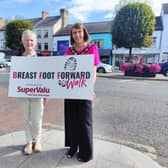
<point x="94" y="95"/>
<point x="45" y="102"/>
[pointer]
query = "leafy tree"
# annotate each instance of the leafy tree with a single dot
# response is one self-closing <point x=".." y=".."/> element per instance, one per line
<point x="133" y="26"/>
<point x="14" y="31"/>
<point x="122" y="3"/>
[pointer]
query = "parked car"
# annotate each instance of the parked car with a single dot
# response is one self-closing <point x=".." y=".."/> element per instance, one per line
<point x="8" y="63"/>
<point x="2" y="60"/>
<point x="104" y="68"/>
<point x="164" y="68"/>
<point x="2" y="65"/>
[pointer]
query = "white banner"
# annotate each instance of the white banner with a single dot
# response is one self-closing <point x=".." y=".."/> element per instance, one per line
<point x="52" y="77"/>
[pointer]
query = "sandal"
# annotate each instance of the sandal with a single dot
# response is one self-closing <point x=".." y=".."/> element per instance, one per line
<point x="37" y="147"/>
<point x="71" y="152"/>
<point x="28" y="149"/>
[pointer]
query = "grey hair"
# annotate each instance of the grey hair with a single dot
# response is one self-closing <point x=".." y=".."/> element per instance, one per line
<point x="29" y="33"/>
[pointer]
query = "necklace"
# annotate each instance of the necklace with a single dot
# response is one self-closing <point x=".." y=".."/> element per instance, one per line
<point x="80" y="47"/>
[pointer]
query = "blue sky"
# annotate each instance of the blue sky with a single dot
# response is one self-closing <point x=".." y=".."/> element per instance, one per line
<point x="79" y="10"/>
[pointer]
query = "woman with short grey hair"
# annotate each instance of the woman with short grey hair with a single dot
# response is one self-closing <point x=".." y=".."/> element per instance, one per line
<point x="31" y="108"/>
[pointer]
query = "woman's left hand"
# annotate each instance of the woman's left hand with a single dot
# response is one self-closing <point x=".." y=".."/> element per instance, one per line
<point x="94" y="97"/>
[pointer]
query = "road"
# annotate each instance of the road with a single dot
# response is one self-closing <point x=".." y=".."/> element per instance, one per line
<point x="133" y="111"/>
<point x="125" y="111"/>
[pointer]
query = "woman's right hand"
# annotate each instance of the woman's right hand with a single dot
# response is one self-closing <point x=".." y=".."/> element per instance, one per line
<point x="94" y="95"/>
<point x="45" y="102"/>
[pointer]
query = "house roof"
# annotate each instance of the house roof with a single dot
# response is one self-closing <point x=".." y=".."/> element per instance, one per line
<point x="39" y="22"/>
<point x="165" y="8"/>
<point x="99" y="27"/>
<point x="94" y="27"/>
<point x="158" y="24"/>
<point x="34" y="20"/>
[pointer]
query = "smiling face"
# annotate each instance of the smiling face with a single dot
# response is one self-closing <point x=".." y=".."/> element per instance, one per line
<point x="78" y="35"/>
<point x="29" y="43"/>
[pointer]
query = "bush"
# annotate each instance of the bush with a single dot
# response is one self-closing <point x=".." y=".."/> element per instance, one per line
<point x="140" y="69"/>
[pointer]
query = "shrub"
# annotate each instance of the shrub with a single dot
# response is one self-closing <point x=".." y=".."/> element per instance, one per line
<point x="140" y="68"/>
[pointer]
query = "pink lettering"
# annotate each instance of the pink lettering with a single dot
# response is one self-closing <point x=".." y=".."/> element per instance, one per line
<point x="58" y="75"/>
<point x="14" y="75"/>
<point x="76" y="82"/>
<point x="40" y="74"/>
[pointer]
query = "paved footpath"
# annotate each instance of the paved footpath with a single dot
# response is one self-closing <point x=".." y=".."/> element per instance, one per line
<point x="120" y="75"/>
<point x="106" y="154"/>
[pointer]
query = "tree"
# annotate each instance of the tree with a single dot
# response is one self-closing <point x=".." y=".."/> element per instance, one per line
<point x="122" y="3"/>
<point x="14" y="31"/>
<point x="133" y="26"/>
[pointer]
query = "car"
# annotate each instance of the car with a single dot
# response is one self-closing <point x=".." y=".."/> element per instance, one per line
<point x="2" y="60"/>
<point x="8" y="62"/>
<point x="164" y="68"/>
<point x="104" y="68"/>
<point x="2" y="65"/>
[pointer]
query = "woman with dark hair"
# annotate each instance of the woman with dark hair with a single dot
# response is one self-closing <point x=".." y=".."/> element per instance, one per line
<point x="78" y="113"/>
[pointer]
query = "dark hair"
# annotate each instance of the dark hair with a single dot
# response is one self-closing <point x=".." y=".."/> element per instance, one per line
<point x="79" y="26"/>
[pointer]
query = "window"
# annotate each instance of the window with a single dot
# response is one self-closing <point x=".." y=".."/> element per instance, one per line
<point x="1" y="36"/>
<point x="38" y="46"/>
<point x="99" y="43"/>
<point x="154" y="42"/>
<point x="45" y="33"/>
<point x="2" y="44"/>
<point x="45" y="46"/>
<point x="62" y="45"/>
<point x="38" y="33"/>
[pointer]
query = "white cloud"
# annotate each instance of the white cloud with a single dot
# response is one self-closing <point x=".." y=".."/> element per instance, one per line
<point x="156" y="6"/>
<point x="109" y="16"/>
<point x="82" y="9"/>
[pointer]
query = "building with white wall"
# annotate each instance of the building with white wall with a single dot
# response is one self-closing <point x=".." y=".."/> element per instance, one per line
<point x="45" y="27"/>
<point x="164" y="34"/>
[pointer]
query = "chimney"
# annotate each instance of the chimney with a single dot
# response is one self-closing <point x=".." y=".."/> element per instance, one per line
<point x="44" y="14"/>
<point x="64" y="17"/>
<point x="2" y="22"/>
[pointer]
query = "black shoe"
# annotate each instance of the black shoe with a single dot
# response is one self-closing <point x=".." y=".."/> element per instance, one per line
<point x="71" y="152"/>
<point x="83" y="159"/>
